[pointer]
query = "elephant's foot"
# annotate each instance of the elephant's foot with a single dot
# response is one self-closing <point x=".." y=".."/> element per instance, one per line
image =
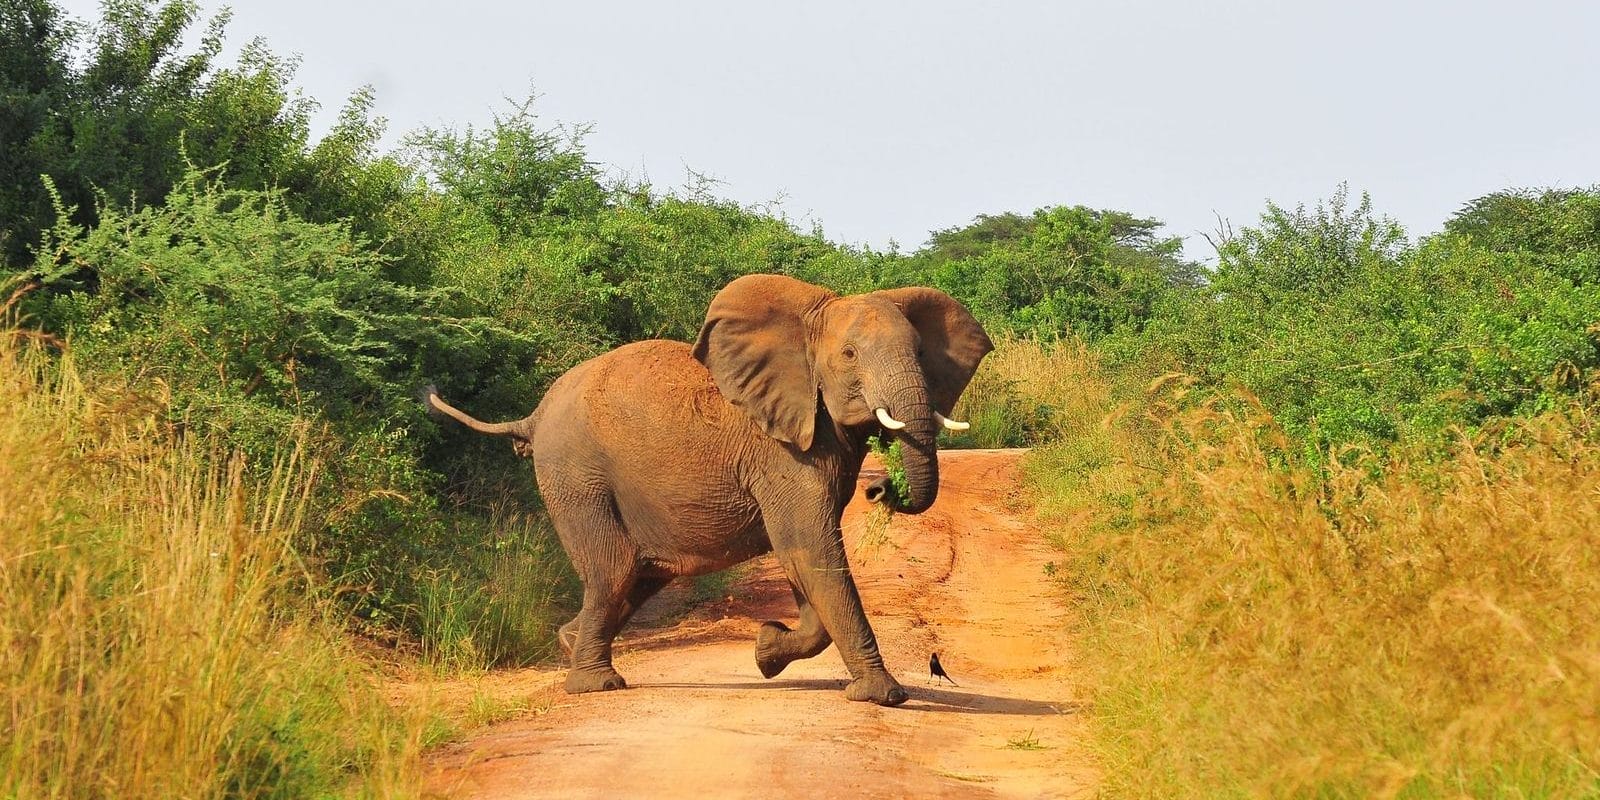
<point x="603" y="679"/>
<point x="771" y="654"/>
<point x="876" y="687"/>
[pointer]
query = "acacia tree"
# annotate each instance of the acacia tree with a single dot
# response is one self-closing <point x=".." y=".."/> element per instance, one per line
<point x="1062" y="269"/>
<point x="1559" y="227"/>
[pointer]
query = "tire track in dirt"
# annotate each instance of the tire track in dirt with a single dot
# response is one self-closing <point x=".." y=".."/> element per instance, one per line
<point x="965" y="579"/>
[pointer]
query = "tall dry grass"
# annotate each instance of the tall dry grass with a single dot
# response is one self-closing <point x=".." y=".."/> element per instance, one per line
<point x="1251" y="630"/>
<point x="156" y="639"/>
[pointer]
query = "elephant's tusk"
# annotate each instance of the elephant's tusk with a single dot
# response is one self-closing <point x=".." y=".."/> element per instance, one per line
<point x="950" y="423"/>
<point x="887" y="421"/>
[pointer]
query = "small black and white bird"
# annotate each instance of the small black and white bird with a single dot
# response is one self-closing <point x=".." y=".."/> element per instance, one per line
<point x="936" y="670"/>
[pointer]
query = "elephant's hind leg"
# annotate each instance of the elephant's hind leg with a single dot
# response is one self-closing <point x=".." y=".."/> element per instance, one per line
<point x="644" y="588"/>
<point x="777" y="645"/>
<point x="607" y="563"/>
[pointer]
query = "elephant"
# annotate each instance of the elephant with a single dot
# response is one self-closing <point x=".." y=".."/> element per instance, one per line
<point x="662" y="459"/>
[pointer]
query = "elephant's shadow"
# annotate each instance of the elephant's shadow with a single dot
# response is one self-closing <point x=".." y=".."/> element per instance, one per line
<point x="923" y="698"/>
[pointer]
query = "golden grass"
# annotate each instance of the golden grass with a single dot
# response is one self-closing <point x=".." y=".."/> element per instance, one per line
<point x="1252" y="631"/>
<point x="155" y="636"/>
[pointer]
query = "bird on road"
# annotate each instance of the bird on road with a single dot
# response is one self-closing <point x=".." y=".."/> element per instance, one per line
<point x="936" y="670"/>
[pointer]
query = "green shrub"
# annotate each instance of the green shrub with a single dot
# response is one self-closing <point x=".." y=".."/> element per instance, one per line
<point x="1351" y="337"/>
<point x="1558" y="229"/>
<point x="1064" y="270"/>
<point x="263" y="328"/>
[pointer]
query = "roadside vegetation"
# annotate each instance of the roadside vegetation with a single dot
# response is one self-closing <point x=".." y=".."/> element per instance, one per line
<point x="161" y="637"/>
<point x="1252" y="629"/>
<point x="1326" y="508"/>
<point x="1329" y="523"/>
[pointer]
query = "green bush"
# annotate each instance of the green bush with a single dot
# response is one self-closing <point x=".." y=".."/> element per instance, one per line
<point x="1350" y="336"/>
<point x="1559" y="229"/>
<point x="263" y="328"/>
<point x="1062" y="270"/>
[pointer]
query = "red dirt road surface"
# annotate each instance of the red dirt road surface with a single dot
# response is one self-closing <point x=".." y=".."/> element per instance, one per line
<point x="965" y="579"/>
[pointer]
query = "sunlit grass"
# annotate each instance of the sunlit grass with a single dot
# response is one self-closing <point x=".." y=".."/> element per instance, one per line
<point x="1026" y="392"/>
<point x="157" y="636"/>
<point x="1421" y="630"/>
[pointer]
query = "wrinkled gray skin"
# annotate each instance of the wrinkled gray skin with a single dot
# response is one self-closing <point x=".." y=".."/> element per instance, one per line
<point x="659" y="460"/>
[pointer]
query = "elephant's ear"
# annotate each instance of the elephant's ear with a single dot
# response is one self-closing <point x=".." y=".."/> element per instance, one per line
<point x="756" y="344"/>
<point x="952" y="341"/>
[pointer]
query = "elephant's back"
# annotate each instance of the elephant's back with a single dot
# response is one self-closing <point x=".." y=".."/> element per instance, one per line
<point x="642" y="407"/>
<point x="658" y="387"/>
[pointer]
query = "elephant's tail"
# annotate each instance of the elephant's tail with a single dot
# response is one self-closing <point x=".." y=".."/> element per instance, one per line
<point x="521" y="429"/>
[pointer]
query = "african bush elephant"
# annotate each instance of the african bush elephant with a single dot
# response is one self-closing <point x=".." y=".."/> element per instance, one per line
<point x="660" y="459"/>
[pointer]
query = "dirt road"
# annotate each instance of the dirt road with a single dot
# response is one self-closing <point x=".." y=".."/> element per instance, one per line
<point x="965" y="579"/>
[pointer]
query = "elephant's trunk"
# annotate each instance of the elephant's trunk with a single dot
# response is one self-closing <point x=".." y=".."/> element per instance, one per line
<point x="880" y="490"/>
<point x="909" y="404"/>
<point x="919" y="454"/>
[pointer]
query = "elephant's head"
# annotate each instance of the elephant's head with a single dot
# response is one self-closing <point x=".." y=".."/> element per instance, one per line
<point x="896" y="359"/>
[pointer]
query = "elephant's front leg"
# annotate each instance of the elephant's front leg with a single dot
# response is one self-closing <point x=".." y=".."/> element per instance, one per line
<point x="812" y="553"/>
<point x="777" y="645"/>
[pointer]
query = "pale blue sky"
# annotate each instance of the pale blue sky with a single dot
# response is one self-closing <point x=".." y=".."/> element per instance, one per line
<point x="884" y="120"/>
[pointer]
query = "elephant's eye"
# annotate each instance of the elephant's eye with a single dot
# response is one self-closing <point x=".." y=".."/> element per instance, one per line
<point x="849" y="352"/>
